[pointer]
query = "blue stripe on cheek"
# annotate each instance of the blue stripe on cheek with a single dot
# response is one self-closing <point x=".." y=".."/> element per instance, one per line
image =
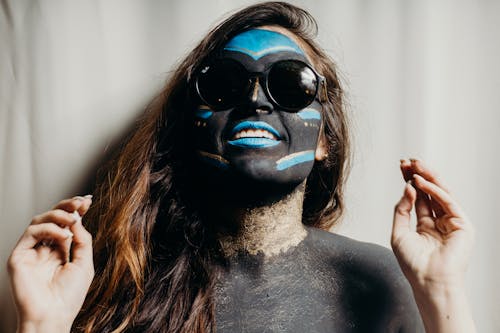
<point x="308" y="114"/>
<point x="294" y="159"/>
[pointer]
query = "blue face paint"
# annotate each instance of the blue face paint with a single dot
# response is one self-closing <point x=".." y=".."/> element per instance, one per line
<point x="294" y="159"/>
<point x="257" y="43"/>
<point x="308" y="114"/>
<point x="203" y="113"/>
<point x="213" y="159"/>
<point x="254" y="141"/>
<point x="247" y="125"/>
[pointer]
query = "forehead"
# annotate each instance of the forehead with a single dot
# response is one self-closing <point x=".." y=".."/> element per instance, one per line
<point x="257" y="48"/>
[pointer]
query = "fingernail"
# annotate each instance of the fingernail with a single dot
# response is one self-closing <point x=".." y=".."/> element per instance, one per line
<point x="68" y="233"/>
<point x="78" y="198"/>
<point x="88" y="196"/>
<point x="76" y="216"/>
<point x="417" y="176"/>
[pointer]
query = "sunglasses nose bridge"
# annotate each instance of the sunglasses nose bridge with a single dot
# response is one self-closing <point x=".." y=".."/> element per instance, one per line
<point x="257" y="98"/>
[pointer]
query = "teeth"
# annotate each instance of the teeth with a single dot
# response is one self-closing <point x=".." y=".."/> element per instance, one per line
<point x="254" y="133"/>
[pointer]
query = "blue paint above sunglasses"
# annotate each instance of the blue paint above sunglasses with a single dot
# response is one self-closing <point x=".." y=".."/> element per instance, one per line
<point x="257" y="43"/>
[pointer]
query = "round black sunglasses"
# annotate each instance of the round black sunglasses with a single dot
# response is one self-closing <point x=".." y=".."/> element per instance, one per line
<point x="289" y="84"/>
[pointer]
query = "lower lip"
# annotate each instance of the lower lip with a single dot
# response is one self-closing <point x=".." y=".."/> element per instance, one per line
<point x="254" y="142"/>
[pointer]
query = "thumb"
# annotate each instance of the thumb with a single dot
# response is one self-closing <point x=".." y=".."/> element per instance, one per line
<point x="402" y="210"/>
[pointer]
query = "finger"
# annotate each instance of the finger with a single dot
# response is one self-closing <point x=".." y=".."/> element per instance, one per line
<point x="406" y="169"/>
<point x="402" y="215"/>
<point x="420" y="168"/>
<point x="442" y="198"/>
<point x="37" y="233"/>
<point x="446" y="226"/>
<point x="438" y="210"/>
<point x="81" y="252"/>
<point x="78" y="203"/>
<point x="58" y="216"/>
<point x="423" y="206"/>
<point x="423" y="170"/>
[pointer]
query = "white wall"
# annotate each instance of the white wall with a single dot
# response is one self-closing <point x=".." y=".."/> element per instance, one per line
<point x="423" y="79"/>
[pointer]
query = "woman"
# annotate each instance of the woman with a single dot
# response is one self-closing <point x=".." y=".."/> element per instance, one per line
<point x="210" y="217"/>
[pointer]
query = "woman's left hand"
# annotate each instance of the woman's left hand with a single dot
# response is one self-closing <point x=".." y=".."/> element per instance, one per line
<point x="438" y="251"/>
<point x="434" y="255"/>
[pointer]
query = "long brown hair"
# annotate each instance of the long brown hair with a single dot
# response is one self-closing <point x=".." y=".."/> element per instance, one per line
<point x="156" y="261"/>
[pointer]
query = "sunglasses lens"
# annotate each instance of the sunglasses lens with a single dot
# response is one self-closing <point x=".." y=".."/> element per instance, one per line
<point x="222" y="84"/>
<point x="292" y="84"/>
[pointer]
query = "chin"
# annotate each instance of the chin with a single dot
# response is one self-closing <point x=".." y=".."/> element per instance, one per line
<point x="252" y="184"/>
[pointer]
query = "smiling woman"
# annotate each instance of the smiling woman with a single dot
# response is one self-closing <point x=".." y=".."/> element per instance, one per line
<point x="214" y="216"/>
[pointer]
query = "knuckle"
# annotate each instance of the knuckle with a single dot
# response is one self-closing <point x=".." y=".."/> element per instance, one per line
<point x="11" y="264"/>
<point x="400" y="210"/>
<point x="397" y="207"/>
<point x="36" y="219"/>
<point x="61" y="214"/>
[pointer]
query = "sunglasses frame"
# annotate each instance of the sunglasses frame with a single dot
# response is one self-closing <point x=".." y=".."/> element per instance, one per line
<point x="251" y="76"/>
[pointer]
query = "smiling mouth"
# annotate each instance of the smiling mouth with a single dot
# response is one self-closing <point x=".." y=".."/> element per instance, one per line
<point x="254" y="134"/>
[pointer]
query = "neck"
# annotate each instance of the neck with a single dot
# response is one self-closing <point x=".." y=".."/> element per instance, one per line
<point x="269" y="229"/>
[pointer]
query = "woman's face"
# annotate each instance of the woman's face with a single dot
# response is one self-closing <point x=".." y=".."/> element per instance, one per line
<point x="255" y="136"/>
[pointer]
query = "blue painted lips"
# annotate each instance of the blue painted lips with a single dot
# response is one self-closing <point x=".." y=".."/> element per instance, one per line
<point x="257" y="141"/>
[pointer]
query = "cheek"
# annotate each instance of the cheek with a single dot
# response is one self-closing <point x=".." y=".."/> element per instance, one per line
<point x="207" y="126"/>
<point x="201" y="116"/>
<point x="303" y="128"/>
<point x="207" y="129"/>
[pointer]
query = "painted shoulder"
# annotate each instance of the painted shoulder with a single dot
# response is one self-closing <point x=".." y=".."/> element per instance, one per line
<point x="370" y="272"/>
<point x="345" y="249"/>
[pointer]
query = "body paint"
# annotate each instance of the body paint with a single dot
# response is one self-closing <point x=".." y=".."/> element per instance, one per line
<point x="256" y="141"/>
<point x="309" y="114"/>
<point x="277" y="151"/>
<point x="258" y="43"/>
<point x="294" y="159"/>
<point x="203" y="113"/>
<point x="213" y="159"/>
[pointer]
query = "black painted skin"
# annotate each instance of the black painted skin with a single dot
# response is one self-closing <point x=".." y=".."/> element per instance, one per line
<point x="327" y="283"/>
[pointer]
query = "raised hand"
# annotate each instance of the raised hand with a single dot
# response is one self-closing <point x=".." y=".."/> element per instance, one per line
<point x="51" y="268"/>
<point x="434" y="255"/>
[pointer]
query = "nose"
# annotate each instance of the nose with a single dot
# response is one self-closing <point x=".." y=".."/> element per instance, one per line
<point x="257" y="98"/>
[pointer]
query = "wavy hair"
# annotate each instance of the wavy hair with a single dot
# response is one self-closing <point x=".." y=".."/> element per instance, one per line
<point x="156" y="261"/>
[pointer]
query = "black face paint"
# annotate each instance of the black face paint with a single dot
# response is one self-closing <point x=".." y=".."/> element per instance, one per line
<point x="257" y="146"/>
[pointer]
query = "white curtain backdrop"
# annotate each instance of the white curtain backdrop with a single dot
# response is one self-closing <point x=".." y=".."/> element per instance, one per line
<point x="423" y="79"/>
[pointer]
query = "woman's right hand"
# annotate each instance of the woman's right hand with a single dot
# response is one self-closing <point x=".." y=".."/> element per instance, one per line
<point x="51" y="268"/>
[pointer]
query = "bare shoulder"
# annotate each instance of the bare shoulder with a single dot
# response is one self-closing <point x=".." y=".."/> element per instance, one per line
<point x="369" y="277"/>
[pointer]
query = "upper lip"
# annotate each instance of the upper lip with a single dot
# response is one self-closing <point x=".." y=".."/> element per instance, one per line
<point x="254" y="129"/>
